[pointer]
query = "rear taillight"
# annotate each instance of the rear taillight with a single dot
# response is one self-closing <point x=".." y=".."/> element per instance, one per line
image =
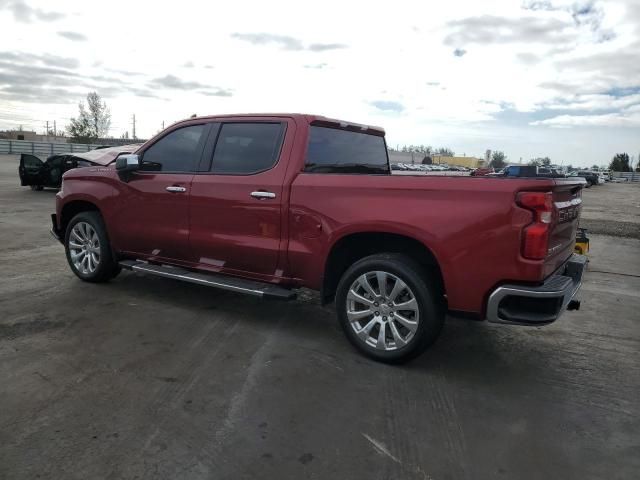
<point x="535" y="236"/>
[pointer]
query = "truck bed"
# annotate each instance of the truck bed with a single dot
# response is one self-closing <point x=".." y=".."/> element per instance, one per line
<point x="472" y="225"/>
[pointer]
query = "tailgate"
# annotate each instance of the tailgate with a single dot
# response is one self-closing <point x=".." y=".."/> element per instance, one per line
<point x="567" y="200"/>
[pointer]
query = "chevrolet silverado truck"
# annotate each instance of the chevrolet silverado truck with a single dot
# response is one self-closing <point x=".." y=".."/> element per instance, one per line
<point x="268" y="204"/>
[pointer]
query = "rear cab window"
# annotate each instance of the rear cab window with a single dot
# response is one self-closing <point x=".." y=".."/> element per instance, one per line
<point x="334" y="150"/>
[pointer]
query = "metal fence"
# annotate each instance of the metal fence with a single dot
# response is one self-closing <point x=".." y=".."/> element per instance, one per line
<point x="630" y="176"/>
<point x="42" y="149"/>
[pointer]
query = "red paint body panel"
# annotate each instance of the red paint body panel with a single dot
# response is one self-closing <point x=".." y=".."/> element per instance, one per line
<point x="232" y="232"/>
<point x="149" y="220"/>
<point x="472" y="225"/>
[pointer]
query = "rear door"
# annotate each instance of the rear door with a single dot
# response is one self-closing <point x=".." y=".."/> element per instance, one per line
<point x="236" y="201"/>
<point x="30" y="170"/>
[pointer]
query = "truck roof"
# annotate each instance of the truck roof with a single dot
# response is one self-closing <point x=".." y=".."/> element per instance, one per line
<point x="309" y="118"/>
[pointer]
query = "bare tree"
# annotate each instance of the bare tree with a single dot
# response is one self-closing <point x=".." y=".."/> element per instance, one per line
<point x="92" y="122"/>
<point x="99" y="114"/>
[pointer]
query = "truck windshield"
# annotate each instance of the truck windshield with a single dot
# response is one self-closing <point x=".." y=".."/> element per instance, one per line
<point x="332" y="150"/>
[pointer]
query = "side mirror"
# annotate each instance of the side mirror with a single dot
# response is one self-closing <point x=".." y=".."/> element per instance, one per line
<point x="127" y="163"/>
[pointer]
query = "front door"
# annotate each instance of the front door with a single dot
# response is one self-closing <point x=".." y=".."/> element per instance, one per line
<point x="30" y="170"/>
<point x="153" y="206"/>
<point x="235" y="204"/>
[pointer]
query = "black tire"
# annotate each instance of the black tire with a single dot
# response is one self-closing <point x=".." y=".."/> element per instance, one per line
<point x="37" y="188"/>
<point x="107" y="267"/>
<point x="424" y="288"/>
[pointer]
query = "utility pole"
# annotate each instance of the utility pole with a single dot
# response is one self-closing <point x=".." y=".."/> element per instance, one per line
<point x="134" y="126"/>
<point x="55" y="132"/>
<point x="47" y="131"/>
<point x="163" y="124"/>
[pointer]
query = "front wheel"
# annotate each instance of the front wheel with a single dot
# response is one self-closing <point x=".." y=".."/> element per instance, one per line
<point x="389" y="307"/>
<point x="36" y="187"/>
<point x="88" y="250"/>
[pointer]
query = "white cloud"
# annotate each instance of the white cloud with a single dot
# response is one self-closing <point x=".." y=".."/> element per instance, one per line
<point x="595" y="102"/>
<point x="289" y="56"/>
<point x="625" y="118"/>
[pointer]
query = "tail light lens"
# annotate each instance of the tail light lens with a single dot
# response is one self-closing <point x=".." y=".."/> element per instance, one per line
<point x="535" y="236"/>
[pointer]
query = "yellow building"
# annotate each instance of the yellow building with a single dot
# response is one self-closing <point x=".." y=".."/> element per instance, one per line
<point x="469" y="162"/>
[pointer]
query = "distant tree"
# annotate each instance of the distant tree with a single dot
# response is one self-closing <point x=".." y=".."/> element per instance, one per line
<point x="92" y="122"/>
<point x="620" y="163"/>
<point x="540" y="161"/>
<point x="427" y="160"/>
<point x="80" y="128"/>
<point x="424" y="149"/>
<point x="498" y="160"/>
<point x="443" y="151"/>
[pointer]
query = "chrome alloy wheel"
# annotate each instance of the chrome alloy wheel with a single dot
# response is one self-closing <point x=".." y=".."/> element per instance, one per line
<point x="382" y="310"/>
<point x="84" y="248"/>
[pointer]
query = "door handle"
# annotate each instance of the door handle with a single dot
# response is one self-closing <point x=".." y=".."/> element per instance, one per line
<point x="174" y="189"/>
<point x="263" y="195"/>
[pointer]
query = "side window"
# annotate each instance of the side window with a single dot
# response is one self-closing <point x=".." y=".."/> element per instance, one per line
<point x="31" y="162"/>
<point x="332" y="150"/>
<point x="246" y="148"/>
<point x="178" y="151"/>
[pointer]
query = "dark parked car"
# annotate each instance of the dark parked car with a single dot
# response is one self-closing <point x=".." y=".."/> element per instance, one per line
<point x="590" y="177"/>
<point x="38" y="174"/>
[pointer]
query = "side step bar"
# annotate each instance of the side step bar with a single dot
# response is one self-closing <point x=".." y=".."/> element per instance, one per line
<point x="249" y="287"/>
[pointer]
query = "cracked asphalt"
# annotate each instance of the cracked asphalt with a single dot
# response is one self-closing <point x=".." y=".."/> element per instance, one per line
<point x="148" y="378"/>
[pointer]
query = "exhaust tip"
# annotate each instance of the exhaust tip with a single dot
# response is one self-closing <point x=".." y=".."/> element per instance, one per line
<point x="574" y="305"/>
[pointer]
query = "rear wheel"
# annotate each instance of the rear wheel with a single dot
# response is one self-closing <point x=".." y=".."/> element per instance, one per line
<point x="37" y="187"/>
<point x="88" y="249"/>
<point x="389" y="307"/>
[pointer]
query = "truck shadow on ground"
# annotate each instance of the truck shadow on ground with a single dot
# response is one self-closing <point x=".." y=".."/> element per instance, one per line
<point x="470" y="350"/>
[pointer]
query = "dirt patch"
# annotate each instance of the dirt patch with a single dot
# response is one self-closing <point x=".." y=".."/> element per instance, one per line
<point x="11" y="332"/>
<point x="612" y="227"/>
<point x="612" y="209"/>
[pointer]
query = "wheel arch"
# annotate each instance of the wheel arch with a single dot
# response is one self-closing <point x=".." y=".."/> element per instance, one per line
<point x="74" y="207"/>
<point x="354" y="246"/>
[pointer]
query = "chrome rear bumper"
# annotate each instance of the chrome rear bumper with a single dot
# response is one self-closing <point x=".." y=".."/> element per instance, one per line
<point x="537" y="305"/>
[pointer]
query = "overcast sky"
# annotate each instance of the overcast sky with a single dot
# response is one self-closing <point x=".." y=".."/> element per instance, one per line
<point x="558" y="78"/>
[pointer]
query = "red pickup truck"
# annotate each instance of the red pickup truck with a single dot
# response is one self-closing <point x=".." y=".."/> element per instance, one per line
<point x="267" y="204"/>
